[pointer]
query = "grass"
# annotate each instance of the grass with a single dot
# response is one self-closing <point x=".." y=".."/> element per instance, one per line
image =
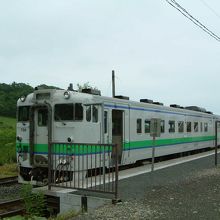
<point x="7" y="147"/>
<point x="8" y="170"/>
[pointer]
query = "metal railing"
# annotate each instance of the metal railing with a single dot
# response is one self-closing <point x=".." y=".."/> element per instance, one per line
<point x="89" y="167"/>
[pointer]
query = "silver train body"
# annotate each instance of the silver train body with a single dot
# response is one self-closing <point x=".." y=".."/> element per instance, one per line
<point x="87" y="118"/>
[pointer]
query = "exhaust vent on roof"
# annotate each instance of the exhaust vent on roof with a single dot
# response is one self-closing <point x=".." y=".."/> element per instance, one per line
<point x="175" y="106"/>
<point x="158" y="103"/>
<point x="121" y="97"/>
<point x="146" y="101"/>
<point x="195" y="108"/>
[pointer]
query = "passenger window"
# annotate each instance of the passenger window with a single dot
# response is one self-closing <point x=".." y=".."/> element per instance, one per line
<point x="188" y="127"/>
<point x="105" y="122"/>
<point x="180" y="126"/>
<point x="196" y="126"/>
<point x="171" y="126"/>
<point x="201" y="127"/>
<point x="206" y="127"/>
<point x="88" y="113"/>
<point x="162" y="126"/>
<point x="139" y="125"/>
<point x="147" y="126"/>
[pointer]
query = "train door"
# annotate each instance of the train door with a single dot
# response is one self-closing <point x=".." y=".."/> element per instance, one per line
<point x="39" y="135"/>
<point x="117" y="131"/>
<point x="106" y="126"/>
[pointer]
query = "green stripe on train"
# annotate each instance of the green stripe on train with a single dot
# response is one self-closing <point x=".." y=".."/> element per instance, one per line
<point x="76" y="149"/>
<point x="164" y="142"/>
<point x="64" y="149"/>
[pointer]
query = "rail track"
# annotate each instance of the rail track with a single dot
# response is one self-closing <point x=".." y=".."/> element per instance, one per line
<point x="9" y="180"/>
<point x="11" y="208"/>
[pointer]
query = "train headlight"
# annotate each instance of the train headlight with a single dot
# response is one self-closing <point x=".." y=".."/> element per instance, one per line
<point x="66" y="94"/>
<point x="23" y="98"/>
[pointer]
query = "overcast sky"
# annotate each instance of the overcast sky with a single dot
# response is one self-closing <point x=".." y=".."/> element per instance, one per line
<point x="155" y="51"/>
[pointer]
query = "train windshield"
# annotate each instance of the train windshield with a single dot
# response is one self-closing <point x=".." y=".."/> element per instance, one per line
<point x="68" y="112"/>
<point x="23" y="113"/>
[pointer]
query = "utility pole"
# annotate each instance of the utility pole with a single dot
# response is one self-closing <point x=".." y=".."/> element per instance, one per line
<point x="113" y="83"/>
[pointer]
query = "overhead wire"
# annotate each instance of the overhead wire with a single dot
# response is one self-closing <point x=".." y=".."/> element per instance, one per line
<point x="185" y="13"/>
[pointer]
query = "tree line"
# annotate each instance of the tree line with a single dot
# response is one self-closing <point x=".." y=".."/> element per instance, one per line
<point x="10" y="93"/>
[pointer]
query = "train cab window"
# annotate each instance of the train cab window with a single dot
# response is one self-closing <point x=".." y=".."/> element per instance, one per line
<point x="88" y="113"/>
<point x="162" y="126"/>
<point x="78" y="114"/>
<point x="196" y="126"/>
<point x="188" y="126"/>
<point x="206" y="127"/>
<point x="94" y="113"/>
<point x="171" y="126"/>
<point x="147" y="126"/>
<point x="180" y="126"/>
<point x="42" y="117"/>
<point x="63" y="112"/>
<point x="23" y="113"/>
<point x="139" y="125"/>
<point x="201" y="127"/>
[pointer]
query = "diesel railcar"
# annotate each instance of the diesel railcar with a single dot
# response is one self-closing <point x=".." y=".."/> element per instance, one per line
<point x="87" y="117"/>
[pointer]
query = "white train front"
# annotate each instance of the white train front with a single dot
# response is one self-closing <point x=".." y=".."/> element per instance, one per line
<point x="74" y="117"/>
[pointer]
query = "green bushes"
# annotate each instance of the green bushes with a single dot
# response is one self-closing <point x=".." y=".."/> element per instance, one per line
<point x="7" y="140"/>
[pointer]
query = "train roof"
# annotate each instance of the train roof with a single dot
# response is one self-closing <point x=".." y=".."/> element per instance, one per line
<point x="89" y="97"/>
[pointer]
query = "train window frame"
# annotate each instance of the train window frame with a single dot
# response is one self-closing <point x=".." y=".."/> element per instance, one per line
<point x="162" y="126"/>
<point x="68" y="112"/>
<point x="188" y="126"/>
<point x="139" y="126"/>
<point x="171" y="126"/>
<point x="88" y="113"/>
<point x="23" y="113"/>
<point x="180" y="126"/>
<point x="147" y="126"/>
<point x="105" y="122"/>
<point x="196" y="126"/>
<point x="95" y="113"/>
<point x="201" y="127"/>
<point x="205" y="127"/>
<point x="78" y="112"/>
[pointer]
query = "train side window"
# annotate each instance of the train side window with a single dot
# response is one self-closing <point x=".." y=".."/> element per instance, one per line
<point x="139" y="125"/>
<point x="180" y="126"/>
<point x="171" y="126"/>
<point x="206" y="127"/>
<point x="23" y="113"/>
<point x="162" y="126"/>
<point x="196" y="126"/>
<point x="105" y="122"/>
<point x="147" y="126"/>
<point x="88" y="113"/>
<point x="188" y="126"/>
<point x="201" y="127"/>
<point x="78" y="114"/>
<point x="94" y="113"/>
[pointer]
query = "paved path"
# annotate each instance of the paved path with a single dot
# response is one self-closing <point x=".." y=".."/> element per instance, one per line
<point x="186" y="191"/>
